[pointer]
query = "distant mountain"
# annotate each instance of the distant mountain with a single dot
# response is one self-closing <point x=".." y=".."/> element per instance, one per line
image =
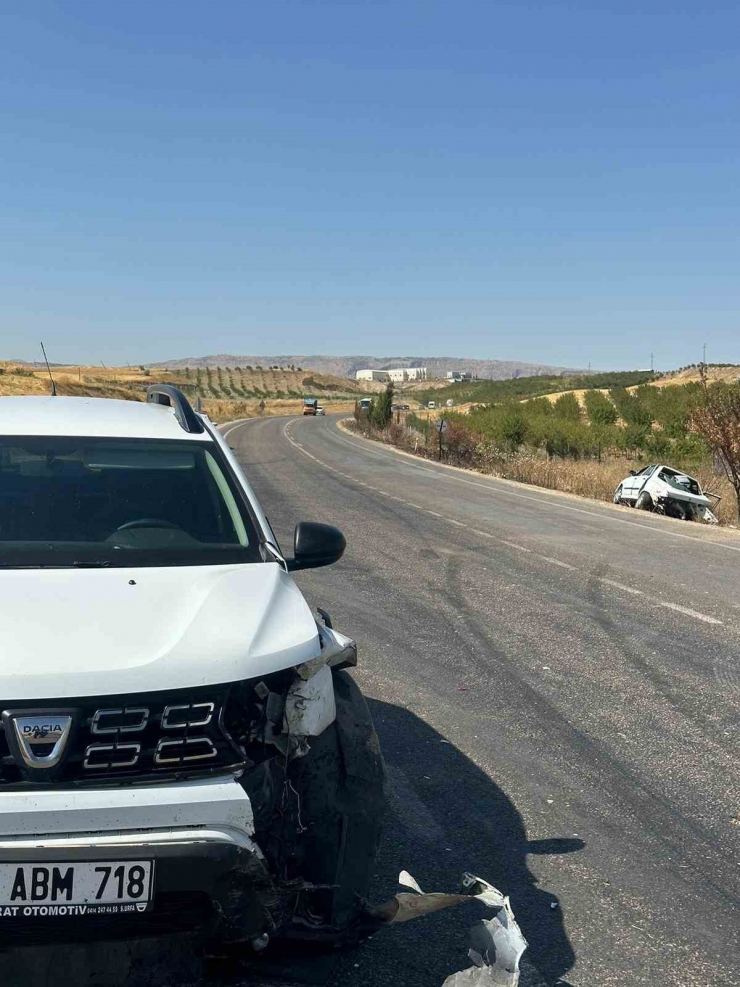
<point x="346" y="366"/>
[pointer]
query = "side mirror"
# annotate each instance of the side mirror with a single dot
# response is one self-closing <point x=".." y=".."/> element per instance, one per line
<point x="316" y="545"/>
<point x="633" y="472"/>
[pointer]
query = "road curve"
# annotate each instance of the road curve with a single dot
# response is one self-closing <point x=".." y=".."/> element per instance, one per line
<point x="557" y="690"/>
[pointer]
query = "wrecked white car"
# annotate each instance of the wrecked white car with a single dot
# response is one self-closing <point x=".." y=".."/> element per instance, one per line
<point x="181" y="749"/>
<point x="668" y="491"/>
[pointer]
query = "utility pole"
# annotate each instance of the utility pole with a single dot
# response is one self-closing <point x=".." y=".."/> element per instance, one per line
<point x="652" y="363"/>
<point x="704" y="354"/>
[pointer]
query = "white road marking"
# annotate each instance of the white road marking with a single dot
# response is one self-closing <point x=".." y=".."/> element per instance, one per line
<point x="686" y="611"/>
<point x="625" y="589"/>
<point x="500" y="485"/>
<point x="239" y="425"/>
<point x="565" y="565"/>
<point x="689" y="613"/>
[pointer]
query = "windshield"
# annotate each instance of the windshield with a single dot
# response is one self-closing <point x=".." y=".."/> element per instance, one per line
<point x="680" y="480"/>
<point x="111" y="502"/>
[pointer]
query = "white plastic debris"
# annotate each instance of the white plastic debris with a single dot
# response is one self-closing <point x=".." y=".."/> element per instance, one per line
<point x="497" y="944"/>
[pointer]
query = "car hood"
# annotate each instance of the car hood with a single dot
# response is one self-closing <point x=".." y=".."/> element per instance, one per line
<point x="88" y="632"/>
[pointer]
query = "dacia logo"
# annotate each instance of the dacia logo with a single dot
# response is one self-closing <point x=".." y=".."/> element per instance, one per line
<point x="37" y="732"/>
<point x="38" y="740"/>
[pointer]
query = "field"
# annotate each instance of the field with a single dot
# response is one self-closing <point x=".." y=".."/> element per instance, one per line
<point x="729" y="374"/>
<point x="225" y="393"/>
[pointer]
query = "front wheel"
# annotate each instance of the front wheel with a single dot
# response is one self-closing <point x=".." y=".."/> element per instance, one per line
<point x="340" y="784"/>
<point x="644" y="502"/>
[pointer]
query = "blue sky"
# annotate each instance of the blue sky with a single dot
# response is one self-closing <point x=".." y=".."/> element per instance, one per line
<point x="552" y="181"/>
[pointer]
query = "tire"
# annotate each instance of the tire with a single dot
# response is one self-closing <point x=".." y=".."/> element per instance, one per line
<point x="677" y="510"/>
<point x="644" y="502"/>
<point x="618" y="495"/>
<point x="341" y="784"/>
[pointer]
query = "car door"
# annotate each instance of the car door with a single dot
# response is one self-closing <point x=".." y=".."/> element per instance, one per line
<point x="641" y="481"/>
<point x="633" y="484"/>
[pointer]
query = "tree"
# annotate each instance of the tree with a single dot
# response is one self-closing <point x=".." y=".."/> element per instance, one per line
<point x="632" y="409"/>
<point x="381" y="412"/>
<point x="599" y="408"/>
<point x="512" y="427"/>
<point x="568" y="408"/>
<point x="717" y="420"/>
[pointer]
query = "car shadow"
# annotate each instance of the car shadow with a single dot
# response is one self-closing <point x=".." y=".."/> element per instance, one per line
<point x="446" y="816"/>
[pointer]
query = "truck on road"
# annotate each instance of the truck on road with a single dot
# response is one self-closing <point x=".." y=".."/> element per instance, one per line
<point x="310" y="406"/>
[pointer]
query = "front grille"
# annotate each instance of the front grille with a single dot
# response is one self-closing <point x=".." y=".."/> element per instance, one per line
<point x="131" y="738"/>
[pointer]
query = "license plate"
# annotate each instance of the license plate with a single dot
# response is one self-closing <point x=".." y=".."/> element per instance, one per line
<point x="105" y="887"/>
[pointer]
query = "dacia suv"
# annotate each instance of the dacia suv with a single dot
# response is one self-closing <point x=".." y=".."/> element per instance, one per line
<point x="181" y="747"/>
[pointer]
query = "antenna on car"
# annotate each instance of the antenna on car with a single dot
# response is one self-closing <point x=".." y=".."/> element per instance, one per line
<point x="46" y="360"/>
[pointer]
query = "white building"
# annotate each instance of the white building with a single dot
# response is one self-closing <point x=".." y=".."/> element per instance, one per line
<point x="401" y="374"/>
<point x="371" y="375"/>
<point x="417" y="373"/>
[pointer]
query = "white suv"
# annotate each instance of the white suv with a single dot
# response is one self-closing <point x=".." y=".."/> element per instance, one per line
<point x="180" y="748"/>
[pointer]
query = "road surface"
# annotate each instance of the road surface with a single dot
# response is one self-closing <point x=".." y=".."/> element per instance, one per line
<point x="557" y="691"/>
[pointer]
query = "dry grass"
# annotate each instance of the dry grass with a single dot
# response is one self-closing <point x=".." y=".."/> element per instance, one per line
<point x="130" y="384"/>
<point x="222" y="411"/>
<point x="113" y="382"/>
<point x="588" y="478"/>
<point x="584" y="477"/>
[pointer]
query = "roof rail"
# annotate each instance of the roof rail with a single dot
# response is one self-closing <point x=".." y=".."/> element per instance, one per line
<point x="173" y="396"/>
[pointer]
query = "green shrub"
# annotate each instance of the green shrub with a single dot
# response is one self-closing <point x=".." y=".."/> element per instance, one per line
<point x="599" y="408"/>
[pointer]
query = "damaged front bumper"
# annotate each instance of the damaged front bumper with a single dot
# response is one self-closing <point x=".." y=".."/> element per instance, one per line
<point x="236" y="854"/>
<point x="207" y="870"/>
<point x="687" y="507"/>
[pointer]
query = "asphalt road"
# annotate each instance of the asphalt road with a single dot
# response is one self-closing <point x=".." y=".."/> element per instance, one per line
<point x="557" y="691"/>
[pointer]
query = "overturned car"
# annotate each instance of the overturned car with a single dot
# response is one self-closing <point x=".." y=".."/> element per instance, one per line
<point x="668" y="491"/>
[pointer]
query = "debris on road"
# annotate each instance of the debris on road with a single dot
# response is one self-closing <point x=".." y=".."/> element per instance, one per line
<point x="497" y="944"/>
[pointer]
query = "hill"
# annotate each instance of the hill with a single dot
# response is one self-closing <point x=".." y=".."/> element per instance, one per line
<point x="494" y="391"/>
<point x="346" y="366"/>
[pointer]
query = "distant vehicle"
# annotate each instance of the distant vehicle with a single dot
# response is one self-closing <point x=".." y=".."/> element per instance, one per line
<point x="310" y="406"/>
<point x="431" y="404"/>
<point x="365" y="404"/>
<point x="400" y="407"/>
<point x="320" y="410"/>
<point x="664" y="490"/>
<point x="449" y="402"/>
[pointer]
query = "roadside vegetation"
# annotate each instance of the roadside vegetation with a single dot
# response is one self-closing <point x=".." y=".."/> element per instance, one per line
<point x="587" y="447"/>
<point x="519" y="388"/>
